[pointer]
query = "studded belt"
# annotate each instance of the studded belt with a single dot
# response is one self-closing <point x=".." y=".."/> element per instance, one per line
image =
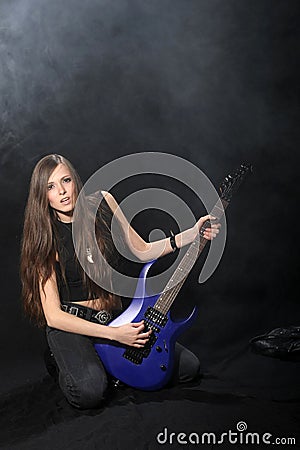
<point x="103" y="317"/>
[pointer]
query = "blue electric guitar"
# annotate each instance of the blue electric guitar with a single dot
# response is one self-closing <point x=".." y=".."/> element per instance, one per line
<point x="149" y="368"/>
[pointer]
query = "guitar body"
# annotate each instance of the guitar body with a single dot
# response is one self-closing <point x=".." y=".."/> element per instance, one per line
<point x="151" y="367"/>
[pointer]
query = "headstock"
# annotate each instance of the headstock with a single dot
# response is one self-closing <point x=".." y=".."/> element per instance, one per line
<point x="233" y="180"/>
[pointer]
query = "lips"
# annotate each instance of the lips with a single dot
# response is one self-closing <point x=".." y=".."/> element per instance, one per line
<point x="65" y="200"/>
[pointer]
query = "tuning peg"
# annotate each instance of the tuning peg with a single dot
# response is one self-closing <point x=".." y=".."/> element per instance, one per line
<point x="247" y="166"/>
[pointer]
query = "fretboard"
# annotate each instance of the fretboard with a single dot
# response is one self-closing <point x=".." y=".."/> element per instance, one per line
<point x="167" y="297"/>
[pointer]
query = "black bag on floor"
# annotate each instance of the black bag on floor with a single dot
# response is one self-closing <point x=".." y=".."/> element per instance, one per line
<point x="283" y="343"/>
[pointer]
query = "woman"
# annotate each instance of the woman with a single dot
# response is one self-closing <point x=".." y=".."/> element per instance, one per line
<point x="55" y="287"/>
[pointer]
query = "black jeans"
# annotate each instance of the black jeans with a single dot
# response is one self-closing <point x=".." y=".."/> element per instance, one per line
<point x="82" y="377"/>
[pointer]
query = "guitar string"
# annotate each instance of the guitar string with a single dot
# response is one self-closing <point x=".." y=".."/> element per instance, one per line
<point x="186" y="266"/>
<point x="164" y="304"/>
<point x="175" y="291"/>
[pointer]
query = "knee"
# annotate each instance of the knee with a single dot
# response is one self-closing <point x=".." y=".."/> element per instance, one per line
<point x="195" y="368"/>
<point x="91" y="396"/>
<point x="84" y="394"/>
<point x="190" y="367"/>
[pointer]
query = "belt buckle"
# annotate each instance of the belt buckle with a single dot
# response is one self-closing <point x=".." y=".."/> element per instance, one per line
<point x="103" y="316"/>
<point x="74" y="310"/>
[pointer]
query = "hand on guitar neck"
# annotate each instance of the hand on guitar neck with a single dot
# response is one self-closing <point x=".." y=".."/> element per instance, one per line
<point x="207" y="225"/>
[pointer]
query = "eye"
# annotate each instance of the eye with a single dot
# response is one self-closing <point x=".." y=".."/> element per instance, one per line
<point x="67" y="180"/>
<point x="50" y="186"/>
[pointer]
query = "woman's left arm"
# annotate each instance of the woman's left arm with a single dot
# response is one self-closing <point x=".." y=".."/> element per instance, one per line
<point x="147" y="251"/>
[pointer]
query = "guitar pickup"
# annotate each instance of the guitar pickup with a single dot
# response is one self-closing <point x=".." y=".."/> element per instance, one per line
<point x="156" y="316"/>
<point x="150" y="326"/>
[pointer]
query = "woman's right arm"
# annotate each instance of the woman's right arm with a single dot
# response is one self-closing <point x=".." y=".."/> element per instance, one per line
<point x="128" y="334"/>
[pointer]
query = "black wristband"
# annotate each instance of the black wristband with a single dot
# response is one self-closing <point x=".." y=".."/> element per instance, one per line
<point x="173" y="242"/>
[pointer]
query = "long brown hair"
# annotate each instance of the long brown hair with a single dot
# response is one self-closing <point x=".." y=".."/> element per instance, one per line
<point x="40" y="241"/>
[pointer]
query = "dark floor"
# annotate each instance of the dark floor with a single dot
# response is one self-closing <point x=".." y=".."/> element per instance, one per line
<point x="262" y="392"/>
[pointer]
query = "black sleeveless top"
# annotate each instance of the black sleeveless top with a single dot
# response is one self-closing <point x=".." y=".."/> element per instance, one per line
<point x="73" y="290"/>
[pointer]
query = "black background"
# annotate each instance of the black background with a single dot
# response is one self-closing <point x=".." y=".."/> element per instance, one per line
<point x="215" y="82"/>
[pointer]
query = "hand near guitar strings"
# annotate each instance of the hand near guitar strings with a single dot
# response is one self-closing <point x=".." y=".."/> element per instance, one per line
<point x="209" y="225"/>
<point x="131" y="334"/>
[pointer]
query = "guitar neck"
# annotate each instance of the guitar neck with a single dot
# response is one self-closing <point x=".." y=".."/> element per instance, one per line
<point x="172" y="288"/>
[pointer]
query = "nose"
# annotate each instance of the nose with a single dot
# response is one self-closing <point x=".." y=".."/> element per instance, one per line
<point x="62" y="189"/>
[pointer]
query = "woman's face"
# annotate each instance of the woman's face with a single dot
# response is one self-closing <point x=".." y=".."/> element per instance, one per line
<point x="61" y="192"/>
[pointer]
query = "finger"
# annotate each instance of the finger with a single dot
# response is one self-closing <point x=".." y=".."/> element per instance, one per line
<point x="211" y="230"/>
<point x="210" y="235"/>
<point x="138" y="324"/>
<point x="142" y="341"/>
<point x="205" y="218"/>
<point x="144" y="335"/>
